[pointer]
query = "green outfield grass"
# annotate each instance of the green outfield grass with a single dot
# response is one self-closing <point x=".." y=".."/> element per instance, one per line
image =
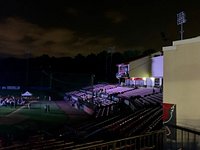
<point x="37" y="113"/>
<point x="5" y="110"/>
<point x="25" y="121"/>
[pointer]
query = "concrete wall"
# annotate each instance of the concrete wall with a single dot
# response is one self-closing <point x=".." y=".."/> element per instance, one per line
<point x="182" y="80"/>
<point x="140" y="67"/>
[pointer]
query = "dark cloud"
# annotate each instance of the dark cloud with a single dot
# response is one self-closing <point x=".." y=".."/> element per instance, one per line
<point x="18" y="36"/>
<point x="27" y="40"/>
<point x="49" y="43"/>
<point x="73" y="12"/>
<point x="66" y="27"/>
<point x="115" y="17"/>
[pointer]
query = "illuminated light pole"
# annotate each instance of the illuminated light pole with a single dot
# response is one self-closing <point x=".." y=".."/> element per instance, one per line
<point x="110" y="51"/>
<point x="106" y="78"/>
<point x="180" y="21"/>
<point x="27" y="67"/>
<point x="50" y="82"/>
<point x="92" y="84"/>
<point x="50" y="77"/>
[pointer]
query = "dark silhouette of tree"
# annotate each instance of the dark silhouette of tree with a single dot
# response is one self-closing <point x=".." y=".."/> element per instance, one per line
<point x="66" y="72"/>
<point x="149" y="52"/>
<point x="165" y="40"/>
<point x="130" y="55"/>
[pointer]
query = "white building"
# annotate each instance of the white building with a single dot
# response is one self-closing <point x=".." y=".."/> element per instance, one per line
<point x="146" y="71"/>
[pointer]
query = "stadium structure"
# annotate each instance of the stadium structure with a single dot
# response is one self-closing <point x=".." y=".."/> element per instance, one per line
<point x="153" y="106"/>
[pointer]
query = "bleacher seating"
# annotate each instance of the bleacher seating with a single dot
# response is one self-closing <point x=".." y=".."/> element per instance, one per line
<point x="119" y="112"/>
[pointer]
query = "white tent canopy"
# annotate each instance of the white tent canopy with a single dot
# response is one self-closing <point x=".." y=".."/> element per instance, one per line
<point x="27" y="93"/>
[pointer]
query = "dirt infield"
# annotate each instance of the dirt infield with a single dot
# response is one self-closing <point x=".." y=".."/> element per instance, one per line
<point x="70" y="110"/>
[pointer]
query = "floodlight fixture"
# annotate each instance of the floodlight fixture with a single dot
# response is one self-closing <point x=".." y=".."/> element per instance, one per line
<point x="181" y="19"/>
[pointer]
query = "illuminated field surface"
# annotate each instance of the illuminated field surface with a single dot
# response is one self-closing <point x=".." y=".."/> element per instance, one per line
<point x="40" y="117"/>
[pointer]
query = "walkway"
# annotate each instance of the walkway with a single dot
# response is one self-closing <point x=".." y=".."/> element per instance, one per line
<point x="72" y="112"/>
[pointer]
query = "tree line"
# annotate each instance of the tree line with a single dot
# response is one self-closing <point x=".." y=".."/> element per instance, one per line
<point x="65" y="71"/>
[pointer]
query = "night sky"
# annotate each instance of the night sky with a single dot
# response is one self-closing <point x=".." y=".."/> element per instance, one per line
<point x="63" y="28"/>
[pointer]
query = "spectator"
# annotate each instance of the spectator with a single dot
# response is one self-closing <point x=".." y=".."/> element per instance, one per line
<point x="29" y="105"/>
<point x="153" y="90"/>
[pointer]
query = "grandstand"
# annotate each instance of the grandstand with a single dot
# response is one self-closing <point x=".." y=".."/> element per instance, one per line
<point x="110" y="111"/>
<point x="118" y="117"/>
<point x="118" y="111"/>
<point x="121" y="112"/>
<point x="125" y="116"/>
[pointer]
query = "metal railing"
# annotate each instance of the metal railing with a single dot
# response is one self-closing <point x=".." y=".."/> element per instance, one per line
<point x="185" y="139"/>
<point x="149" y="141"/>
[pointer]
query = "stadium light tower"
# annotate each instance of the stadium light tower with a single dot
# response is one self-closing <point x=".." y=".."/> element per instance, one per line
<point x="180" y="21"/>
<point x="28" y="54"/>
<point x="110" y="52"/>
<point x="92" y="84"/>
